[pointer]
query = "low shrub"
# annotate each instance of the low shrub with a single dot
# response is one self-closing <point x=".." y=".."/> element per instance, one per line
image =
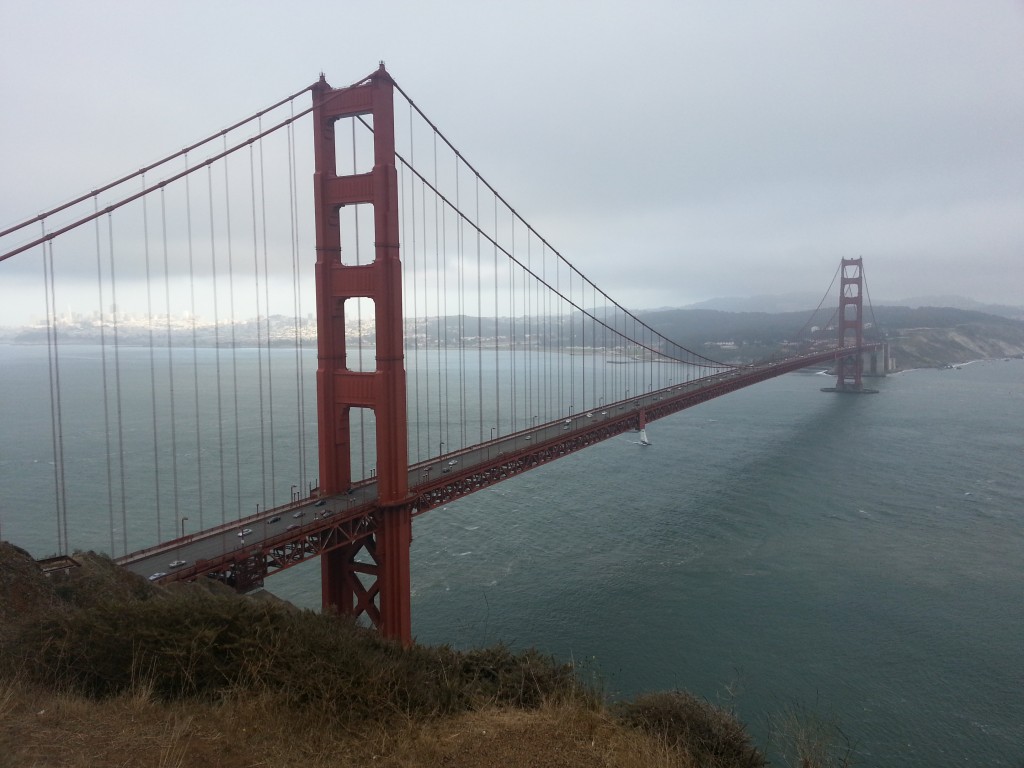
<point x="711" y="735"/>
<point x="198" y="645"/>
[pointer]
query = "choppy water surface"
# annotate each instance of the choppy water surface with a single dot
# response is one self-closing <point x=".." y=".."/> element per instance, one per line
<point x="860" y="556"/>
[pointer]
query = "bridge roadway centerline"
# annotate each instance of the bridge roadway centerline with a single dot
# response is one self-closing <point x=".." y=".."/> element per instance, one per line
<point x="305" y="528"/>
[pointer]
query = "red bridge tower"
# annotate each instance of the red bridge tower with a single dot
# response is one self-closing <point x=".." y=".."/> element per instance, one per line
<point x="850" y="369"/>
<point x="386" y="600"/>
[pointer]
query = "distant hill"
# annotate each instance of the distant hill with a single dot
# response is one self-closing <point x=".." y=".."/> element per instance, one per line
<point x="960" y="302"/>
<point x="918" y="336"/>
<point x="804" y="302"/>
<point x="937" y="336"/>
<point x="790" y="302"/>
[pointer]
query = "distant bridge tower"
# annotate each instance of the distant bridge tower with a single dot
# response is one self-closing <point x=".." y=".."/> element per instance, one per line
<point x="385" y="600"/>
<point x="850" y="369"/>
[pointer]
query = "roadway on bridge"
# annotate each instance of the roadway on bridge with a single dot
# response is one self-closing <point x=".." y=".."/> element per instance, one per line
<point x="307" y="515"/>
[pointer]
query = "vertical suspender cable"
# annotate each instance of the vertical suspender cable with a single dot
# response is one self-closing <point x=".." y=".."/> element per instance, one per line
<point x="528" y="337"/>
<point x="56" y="421"/>
<point x="408" y="292"/>
<point x="545" y="297"/>
<point x="234" y="340"/>
<point x="170" y="362"/>
<point x="479" y="317"/>
<point x="266" y="309"/>
<point x="512" y="321"/>
<point x="411" y="284"/>
<point x="409" y="299"/>
<point x="422" y="369"/>
<point x="259" y="329"/>
<point x="216" y="344"/>
<point x="302" y="340"/>
<point x="583" y="343"/>
<point x="573" y="357"/>
<point x="584" y="319"/>
<point x="426" y="325"/>
<point x="593" y="351"/>
<point x="460" y="242"/>
<point x="102" y="355"/>
<point x="602" y="363"/>
<point x="297" y="305"/>
<point x="441" y="304"/>
<point x="560" y="346"/>
<point x="152" y="364"/>
<point x="117" y="386"/>
<point x="497" y="304"/>
<point x="195" y="344"/>
<point x="298" y="261"/>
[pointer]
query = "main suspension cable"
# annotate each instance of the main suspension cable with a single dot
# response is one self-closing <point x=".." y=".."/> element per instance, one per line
<point x="499" y="197"/>
<point x="182" y="153"/>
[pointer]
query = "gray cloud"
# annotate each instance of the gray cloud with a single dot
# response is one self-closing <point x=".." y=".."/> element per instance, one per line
<point x="673" y="151"/>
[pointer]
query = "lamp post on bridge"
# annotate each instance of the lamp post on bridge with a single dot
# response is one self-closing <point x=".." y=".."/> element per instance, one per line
<point x="183" y="526"/>
<point x="440" y="449"/>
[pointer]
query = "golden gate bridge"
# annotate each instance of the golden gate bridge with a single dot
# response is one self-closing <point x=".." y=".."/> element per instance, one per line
<point x="455" y="348"/>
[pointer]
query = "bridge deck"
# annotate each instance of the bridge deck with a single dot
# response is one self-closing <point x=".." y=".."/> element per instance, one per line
<point x="243" y="552"/>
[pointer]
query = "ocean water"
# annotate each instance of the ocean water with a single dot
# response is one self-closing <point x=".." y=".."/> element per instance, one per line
<point x="860" y="557"/>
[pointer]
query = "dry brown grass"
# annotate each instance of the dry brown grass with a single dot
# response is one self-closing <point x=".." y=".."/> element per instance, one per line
<point x="558" y="735"/>
<point x="134" y="729"/>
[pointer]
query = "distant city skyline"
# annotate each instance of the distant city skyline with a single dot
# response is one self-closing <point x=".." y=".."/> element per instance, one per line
<point x="183" y="321"/>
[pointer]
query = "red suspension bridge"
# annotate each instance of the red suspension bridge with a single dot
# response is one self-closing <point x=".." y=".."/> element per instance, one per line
<point x="455" y="348"/>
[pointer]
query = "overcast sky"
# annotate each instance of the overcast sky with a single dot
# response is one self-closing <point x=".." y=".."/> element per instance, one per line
<point x="673" y="151"/>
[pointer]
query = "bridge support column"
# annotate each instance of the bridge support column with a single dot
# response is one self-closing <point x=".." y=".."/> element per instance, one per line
<point x="379" y="585"/>
<point x="394" y="538"/>
<point x="341" y="587"/>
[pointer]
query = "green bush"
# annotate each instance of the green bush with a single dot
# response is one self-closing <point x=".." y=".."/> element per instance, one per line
<point x="194" y="645"/>
<point x="711" y="735"/>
